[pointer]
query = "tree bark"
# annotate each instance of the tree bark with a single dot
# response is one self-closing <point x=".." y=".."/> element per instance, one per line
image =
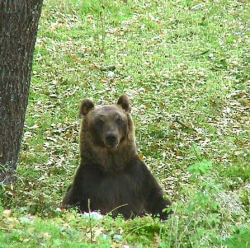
<point x="18" y="30"/>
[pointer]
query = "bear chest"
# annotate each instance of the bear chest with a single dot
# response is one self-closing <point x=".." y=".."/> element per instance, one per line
<point x="119" y="187"/>
<point x="119" y="193"/>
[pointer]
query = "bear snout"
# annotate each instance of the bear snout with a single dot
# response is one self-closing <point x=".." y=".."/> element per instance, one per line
<point x="111" y="140"/>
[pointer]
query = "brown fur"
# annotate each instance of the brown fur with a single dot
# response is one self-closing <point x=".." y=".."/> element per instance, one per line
<point x="111" y="177"/>
<point x="110" y="158"/>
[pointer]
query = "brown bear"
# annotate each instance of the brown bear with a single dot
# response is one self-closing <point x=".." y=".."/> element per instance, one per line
<point x="111" y="177"/>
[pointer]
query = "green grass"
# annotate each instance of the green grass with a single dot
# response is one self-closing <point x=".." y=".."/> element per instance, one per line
<point x="185" y="67"/>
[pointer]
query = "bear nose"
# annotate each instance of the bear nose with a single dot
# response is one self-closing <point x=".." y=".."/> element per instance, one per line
<point x="111" y="139"/>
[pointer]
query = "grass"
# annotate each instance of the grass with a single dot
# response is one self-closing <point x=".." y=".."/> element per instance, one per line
<point x="185" y="67"/>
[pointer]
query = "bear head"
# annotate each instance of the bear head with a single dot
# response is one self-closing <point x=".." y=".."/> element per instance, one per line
<point x="107" y="126"/>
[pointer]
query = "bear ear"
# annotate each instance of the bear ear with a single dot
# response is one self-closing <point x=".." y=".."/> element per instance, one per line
<point x="124" y="102"/>
<point x="85" y="107"/>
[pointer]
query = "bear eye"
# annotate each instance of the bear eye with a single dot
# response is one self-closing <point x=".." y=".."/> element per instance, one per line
<point x="99" y="122"/>
<point x="119" y="120"/>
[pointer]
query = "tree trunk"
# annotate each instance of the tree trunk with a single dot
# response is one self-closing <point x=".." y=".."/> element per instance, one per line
<point x="18" y="30"/>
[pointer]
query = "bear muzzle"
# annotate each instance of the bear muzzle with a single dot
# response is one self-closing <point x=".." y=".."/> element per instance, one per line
<point x="111" y="140"/>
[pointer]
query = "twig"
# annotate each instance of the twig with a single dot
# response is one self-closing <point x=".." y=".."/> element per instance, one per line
<point x="200" y="54"/>
<point x="90" y="223"/>
<point x="184" y="125"/>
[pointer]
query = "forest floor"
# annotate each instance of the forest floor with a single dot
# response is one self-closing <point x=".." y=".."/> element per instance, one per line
<point x="185" y="67"/>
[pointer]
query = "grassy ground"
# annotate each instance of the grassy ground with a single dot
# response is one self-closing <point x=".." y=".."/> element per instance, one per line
<point x="185" y="67"/>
